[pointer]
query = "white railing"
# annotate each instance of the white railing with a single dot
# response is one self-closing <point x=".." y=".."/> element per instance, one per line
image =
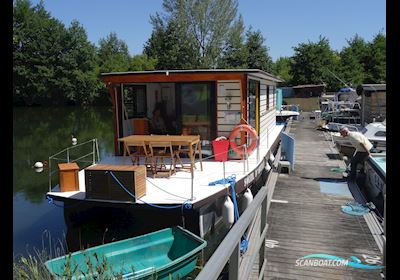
<point x="65" y="156"/>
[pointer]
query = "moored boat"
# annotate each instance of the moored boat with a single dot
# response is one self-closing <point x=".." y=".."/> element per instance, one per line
<point x="198" y="106"/>
<point x="170" y="253"/>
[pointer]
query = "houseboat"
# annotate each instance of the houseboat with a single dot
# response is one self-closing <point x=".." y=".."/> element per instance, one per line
<point x="150" y="177"/>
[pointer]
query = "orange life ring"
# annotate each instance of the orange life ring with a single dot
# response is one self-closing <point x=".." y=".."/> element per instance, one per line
<point x="240" y="150"/>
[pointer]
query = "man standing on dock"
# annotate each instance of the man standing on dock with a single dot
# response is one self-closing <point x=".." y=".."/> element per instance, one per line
<point x="363" y="147"/>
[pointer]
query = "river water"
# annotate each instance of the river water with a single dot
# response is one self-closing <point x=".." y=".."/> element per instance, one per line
<point x="37" y="134"/>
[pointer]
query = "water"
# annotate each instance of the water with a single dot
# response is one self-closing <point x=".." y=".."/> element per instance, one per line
<point x="37" y="134"/>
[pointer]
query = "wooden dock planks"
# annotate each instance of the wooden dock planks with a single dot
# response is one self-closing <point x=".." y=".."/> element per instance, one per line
<point x="311" y="221"/>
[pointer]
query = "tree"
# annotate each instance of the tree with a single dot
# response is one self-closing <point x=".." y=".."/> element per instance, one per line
<point x="113" y="54"/>
<point x="36" y="51"/>
<point x="281" y="68"/>
<point x="376" y="60"/>
<point x="170" y="47"/>
<point x="52" y="64"/>
<point x="142" y="62"/>
<point x="192" y="31"/>
<point x="315" y="63"/>
<point x="352" y="61"/>
<point x="258" y="57"/>
<point x="235" y="53"/>
<point x="80" y="67"/>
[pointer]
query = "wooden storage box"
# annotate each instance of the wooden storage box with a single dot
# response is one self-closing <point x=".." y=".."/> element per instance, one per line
<point x="101" y="185"/>
<point x="68" y="177"/>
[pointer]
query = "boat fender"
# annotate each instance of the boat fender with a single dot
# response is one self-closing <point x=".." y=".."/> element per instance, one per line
<point x="38" y="170"/>
<point x="271" y="157"/>
<point x="74" y="140"/>
<point x="228" y="212"/>
<point x="247" y="199"/>
<point x="240" y="150"/>
<point x="38" y="164"/>
<point x="267" y="167"/>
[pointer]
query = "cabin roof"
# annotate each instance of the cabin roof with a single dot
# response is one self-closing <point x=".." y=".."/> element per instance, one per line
<point x="373" y="87"/>
<point x="198" y="71"/>
<point x="309" y="86"/>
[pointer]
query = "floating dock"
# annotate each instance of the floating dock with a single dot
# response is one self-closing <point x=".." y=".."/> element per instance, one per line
<point x="305" y="215"/>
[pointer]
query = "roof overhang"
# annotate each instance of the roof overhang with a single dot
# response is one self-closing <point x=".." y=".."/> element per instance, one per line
<point x="184" y="75"/>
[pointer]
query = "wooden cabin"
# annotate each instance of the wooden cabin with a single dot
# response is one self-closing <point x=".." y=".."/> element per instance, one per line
<point x="207" y="102"/>
<point x="304" y="91"/>
<point x="373" y="104"/>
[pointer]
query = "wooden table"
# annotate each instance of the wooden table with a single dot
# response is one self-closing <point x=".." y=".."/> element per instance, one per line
<point x="176" y="140"/>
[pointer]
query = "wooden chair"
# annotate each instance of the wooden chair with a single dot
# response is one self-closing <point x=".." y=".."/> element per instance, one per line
<point x="185" y="150"/>
<point x="159" y="153"/>
<point x="136" y="150"/>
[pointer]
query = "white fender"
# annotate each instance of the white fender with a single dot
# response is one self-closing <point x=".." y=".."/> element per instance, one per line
<point x="38" y="170"/>
<point x="38" y="164"/>
<point x="271" y="157"/>
<point x="267" y="167"/>
<point x="74" y="141"/>
<point x="247" y="199"/>
<point x="227" y="212"/>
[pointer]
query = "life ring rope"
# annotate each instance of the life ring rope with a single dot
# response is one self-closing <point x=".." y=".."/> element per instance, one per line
<point x="242" y="149"/>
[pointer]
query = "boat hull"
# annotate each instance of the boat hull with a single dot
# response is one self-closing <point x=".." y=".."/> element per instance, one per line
<point x="171" y="252"/>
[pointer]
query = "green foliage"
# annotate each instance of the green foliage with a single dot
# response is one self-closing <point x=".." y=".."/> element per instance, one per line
<point x="376" y="60"/>
<point x="353" y="59"/>
<point x="281" y="68"/>
<point x="258" y="57"/>
<point x="169" y="46"/>
<point x="191" y="34"/>
<point x="142" y="62"/>
<point x="313" y="63"/>
<point x="52" y="64"/>
<point x="235" y="53"/>
<point x="113" y="54"/>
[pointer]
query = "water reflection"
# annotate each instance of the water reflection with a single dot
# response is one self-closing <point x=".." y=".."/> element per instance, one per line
<point x="37" y="134"/>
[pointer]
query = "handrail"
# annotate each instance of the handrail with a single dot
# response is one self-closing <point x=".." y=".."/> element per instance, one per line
<point x="94" y="152"/>
<point x="228" y="250"/>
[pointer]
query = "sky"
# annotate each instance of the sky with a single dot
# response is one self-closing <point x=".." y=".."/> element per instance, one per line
<point x="283" y="23"/>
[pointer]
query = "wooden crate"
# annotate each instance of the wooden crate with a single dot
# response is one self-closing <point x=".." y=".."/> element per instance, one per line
<point x="101" y="185"/>
<point x="68" y="176"/>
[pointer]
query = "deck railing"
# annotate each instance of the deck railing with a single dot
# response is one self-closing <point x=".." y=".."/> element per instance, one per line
<point x="240" y="266"/>
<point x="58" y="157"/>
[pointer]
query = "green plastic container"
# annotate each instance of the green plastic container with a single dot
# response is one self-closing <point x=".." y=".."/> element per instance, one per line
<point x="170" y="253"/>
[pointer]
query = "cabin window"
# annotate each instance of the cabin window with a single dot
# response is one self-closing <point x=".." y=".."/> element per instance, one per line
<point x="381" y="134"/>
<point x="252" y="104"/>
<point x="135" y="104"/>
<point x="273" y="96"/>
<point x="196" y="108"/>
<point x="268" y="97"/>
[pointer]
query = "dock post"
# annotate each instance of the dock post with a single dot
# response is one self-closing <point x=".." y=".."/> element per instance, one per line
<point x="94" y="152"/>
<point x="192" y="177"/>
<point x="67" y="155"/>
<point x="223" y="165"/>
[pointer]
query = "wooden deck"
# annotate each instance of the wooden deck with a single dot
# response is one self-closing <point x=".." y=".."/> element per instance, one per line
<point x="303" y="220"/>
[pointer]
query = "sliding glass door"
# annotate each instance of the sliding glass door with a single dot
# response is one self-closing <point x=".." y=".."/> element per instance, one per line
<point x="196" y="109"/>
